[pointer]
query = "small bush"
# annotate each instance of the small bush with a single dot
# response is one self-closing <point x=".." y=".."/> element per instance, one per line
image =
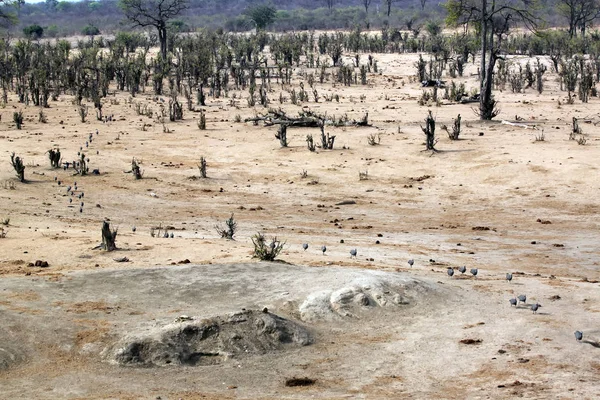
<point x="264" y="251"/>
<point x="540" y="137"/>
<point x="83" y="112"/>
<point x="202" y="121"/>
<point x="455" y="129"/>
<point x="90" y="30"/>
<point x="18" y="119"/>
<point x="229" y="230"/>
<point x="374" y="139"/>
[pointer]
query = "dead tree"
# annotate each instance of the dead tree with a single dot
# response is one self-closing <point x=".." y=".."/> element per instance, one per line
<point x="81" y="166"/>
<point x="326" y="140"/>
<point x="429" y="132"/>
<point x="19" y="167"/>
<point x="108" y="237"/>
<point x="202" y="167"/>
<point x="54" y="156"/>
<point x="310" y="143"/>
<point x="455" y="129"/>
<point x="135" y="169"/>
<point x="282" y="135"/>
<point x="175" y="109"/>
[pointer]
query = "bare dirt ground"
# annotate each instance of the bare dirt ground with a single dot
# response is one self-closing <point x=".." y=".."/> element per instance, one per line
<point x="497" y="200"/>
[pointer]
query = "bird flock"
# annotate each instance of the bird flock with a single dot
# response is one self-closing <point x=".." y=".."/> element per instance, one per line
<point x="514" y="301"/>
<point x="74" y="191"/>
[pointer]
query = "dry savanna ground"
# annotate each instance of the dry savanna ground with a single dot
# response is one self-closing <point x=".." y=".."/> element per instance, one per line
<point x="497" y="200"/>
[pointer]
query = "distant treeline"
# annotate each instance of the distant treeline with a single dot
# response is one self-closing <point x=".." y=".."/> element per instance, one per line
<point x="63" y="18"/>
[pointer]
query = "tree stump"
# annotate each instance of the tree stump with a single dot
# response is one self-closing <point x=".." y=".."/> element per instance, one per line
<point x="108" y="237"/>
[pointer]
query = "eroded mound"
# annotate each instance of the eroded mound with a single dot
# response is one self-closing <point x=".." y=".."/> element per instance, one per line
<point x="210" y="341"/>
<point x="360" y="295"/>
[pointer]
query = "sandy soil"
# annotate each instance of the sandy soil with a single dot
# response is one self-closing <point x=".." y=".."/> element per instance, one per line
<point x="538" y="199"/>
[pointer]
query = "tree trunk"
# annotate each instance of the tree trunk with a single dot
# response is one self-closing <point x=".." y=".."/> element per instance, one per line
<point x="162" y="37"/>
<point x="108" y="237"/>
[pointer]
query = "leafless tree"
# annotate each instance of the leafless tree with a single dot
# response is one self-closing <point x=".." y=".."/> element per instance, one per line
<point x="154" y="13"/>
<point x="580" y="13"/>
<point x="494" y="18"/>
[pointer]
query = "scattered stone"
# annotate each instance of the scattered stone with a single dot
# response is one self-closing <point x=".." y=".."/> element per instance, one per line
<point x="471" y="341"/>
<point x="299" y="382"/>
<point x="41" y="264"/>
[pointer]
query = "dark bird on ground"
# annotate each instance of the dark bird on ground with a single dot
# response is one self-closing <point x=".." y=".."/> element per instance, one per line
<point x="474" y="271"/>
<point x="133" y="229"/>
<point x="59" y="182"/>
<point x="68" y="188"/>
<point x="352" y="253"/>
<point x="305" y="246"/>
<point x="82" y="195"/>
<point x="82" y="204"/>
<point x="411" y="262"/>
<point x="513" y="302"/>
<point x="534" y="307"/>
<point x="508" y="276"/>
<point x="81" y="210"/>
<point x="450" y="272"/>
<point x="166" y="235"/>
<point x="578" y="335"/>
<point x="172" y="235"/>
<point x="55" y="178"/>
<point x="323" y="249"/>
<point x="522" y="298"/>
<point x="462" y="269"/>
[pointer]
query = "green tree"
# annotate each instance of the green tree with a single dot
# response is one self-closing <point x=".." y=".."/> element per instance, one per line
<point x="6" y="16"/>
<point x="90" y="30"/>
<point x="492" y="19"/>
<point x="262" y="15"/>
<point x="156" y="13"/>
<point x="33" y="31"/>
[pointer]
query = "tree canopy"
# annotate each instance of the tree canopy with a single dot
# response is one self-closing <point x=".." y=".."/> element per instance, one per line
<point x="262" y="15"/>
<point x="6" y="16"/>
<point x="492" y="19"/>
<point x="155" y="13"/>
